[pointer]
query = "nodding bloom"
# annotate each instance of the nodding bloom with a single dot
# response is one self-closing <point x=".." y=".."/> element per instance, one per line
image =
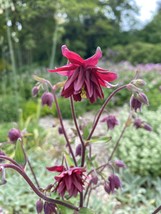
<point x="112" y="184"/>
<point x="138" y="123"/>
<point x="69" y="180"/>
<point x="85" y="78"/>
<point x="14" y="134"/>
<point x="120" y="163"/>
<point x="111" y="121"/>
<point x="47" y="99"/>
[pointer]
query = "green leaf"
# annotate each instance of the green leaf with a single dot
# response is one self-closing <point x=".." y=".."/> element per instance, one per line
<point x="69" y="160"/>
<point x="20" y="156"/>
<point x="86" y="211"/>
<point x="100" y="139"/>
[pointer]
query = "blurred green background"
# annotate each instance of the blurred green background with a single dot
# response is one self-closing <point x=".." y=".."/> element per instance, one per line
<point x="31" y="36"/>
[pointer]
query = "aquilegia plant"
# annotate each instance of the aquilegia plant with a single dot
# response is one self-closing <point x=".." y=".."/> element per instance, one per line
<point x="78" y="173"/>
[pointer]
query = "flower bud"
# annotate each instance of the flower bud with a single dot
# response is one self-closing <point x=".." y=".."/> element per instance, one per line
<point x="60" y="130"/>
<point x="112" y="184"/>
<point x="39" y="206"/>
<point x="135" y="103"/>
<point x="94" y="178"/>
<point x="120" y="163"/>
<point x="14" y="134"/>
<point x="47" y="99"/>
<point x="49" y="208"/>
<point x="138" y="123"/>
<point x="35" y="91"/>
<point x="147" y="127"/>
<point x="138" y="82"/>
<point x="142" y="98"/>
<point x="78" y="151"/>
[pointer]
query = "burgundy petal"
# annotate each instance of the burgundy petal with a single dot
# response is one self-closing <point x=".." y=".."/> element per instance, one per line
<point x="79" y="82"/>
<point x="109" y="76"/>
<point x="66" y="70"/>
<point x="60" y="168"/>
<point x="72" y="56"/>
<point x="93" y="60"/>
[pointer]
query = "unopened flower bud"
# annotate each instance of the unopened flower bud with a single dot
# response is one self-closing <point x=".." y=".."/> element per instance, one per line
<point x="138" y="82"/>
<point x="120" y="163"/>
<point x="39" y="206"/>
<point x="14" y="134"/>
<point x="135" y="103"/>
<point x="49" y="208"/>
<point x="94" y="178"/>
<point x="147" y="127"/>
<point x="47" y="99"/>
<point x="35" y="91"/>
<point x="60" y="130"/>
<point x="142" y="98"/>
<point x="138" y="123"/>
<point x="78" y="151"/>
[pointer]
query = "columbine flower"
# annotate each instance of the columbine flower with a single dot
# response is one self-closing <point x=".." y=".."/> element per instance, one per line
<point x="112" y="184"/>
<point x="85" y="78"/>
<point x="69" y="180"/>
<point x="47" y="99"/>
<point x="14" y="134"/>
<point x="111" y="121"/>
<point x="138" y="123"/>
<point x="49" y="208"/>
<point x="120" y="163"/>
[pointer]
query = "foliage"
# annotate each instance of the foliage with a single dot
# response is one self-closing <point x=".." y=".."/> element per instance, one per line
<point x="139" y="148"/>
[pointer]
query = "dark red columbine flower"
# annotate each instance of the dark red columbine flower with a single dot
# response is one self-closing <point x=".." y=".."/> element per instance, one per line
<point x="85" y="78"/>
<point x="112" y="184"/>
<point x="111" y="121"/>
<point x="69" y="180"/>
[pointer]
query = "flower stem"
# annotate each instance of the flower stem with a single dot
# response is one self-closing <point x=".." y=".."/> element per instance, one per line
<point x="62" y="125"/>
<point x="33" y="173"/>
<point x="102" y="108"/>
<point x="40" y="194"/>
<point x="118" y="141"/>
<point x="157" y="210"/>
<point x="78" y="131"/>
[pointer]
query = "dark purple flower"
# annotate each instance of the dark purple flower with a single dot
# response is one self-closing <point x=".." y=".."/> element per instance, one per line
<point x="14" y="134"/>
<point x="47" y="99"/>
<point x="85" y="78"/>
<point x="138" y="123"/>
<point x="39" y="206"/>
<point x="78" y="151"/>
<point x="69" y="180"/>
<point x="35" y="91"/>
<point x="120" y="163"/>
<point x="49" y="208"/>
<point x="112" y="184"/>
<point x="111" y="121"/>
<point x="135" y="103"/>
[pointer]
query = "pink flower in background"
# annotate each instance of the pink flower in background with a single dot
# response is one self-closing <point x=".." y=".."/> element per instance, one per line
<point x="69" y="180"/>
<point x="85" y="78"/>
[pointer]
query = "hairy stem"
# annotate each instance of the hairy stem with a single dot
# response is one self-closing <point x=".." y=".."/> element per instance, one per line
<point x="118" y="141"/>
<point x="78" y="131"/>
<point x="40" y="194"/>
<point x="33" y="173"/>
<point x="102" y="108"/>
<point x="62" y="125"/>
<point x="157" y="210"/>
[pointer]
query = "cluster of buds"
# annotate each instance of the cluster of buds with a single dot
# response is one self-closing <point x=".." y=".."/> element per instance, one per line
<point x="138" y="98"/>
<point x="48" y="208"/>
<point x="138" y="123"/>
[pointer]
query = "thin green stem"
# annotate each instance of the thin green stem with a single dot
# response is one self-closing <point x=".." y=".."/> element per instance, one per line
<point x="118" y="141"/>
<point x="40" y="194"/>
<point x="33" y="173"/>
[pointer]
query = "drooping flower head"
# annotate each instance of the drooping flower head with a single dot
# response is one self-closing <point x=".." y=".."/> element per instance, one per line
<point x="112" y="184"/>
<point x="111" y="121"/>
<point x="85" y="78"/>
<point x="69" y="180"/>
